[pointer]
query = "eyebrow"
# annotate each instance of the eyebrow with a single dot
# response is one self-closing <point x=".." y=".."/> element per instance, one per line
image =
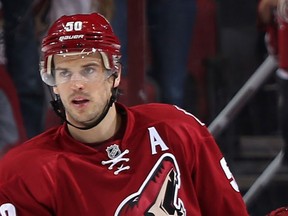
<point x="91" y="64"/>
<point x="82" y="66"/>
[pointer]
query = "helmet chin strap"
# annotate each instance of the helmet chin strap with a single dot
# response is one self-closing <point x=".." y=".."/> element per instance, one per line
<point x="60" y="111"/>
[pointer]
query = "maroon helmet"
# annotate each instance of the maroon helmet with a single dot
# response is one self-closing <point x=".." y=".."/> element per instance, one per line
<point x="79" y="34"/>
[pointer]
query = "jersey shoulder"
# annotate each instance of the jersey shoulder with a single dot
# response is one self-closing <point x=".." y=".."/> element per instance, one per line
<point x="165" y="113"/>
<point x="32" y="153"/>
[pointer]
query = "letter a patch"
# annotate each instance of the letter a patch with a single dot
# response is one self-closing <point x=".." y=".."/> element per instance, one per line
<point x="156" y="140"/>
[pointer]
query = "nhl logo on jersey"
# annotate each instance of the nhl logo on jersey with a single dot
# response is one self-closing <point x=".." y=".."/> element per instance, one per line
<point x="113" y="151"/>
<point x="116" y="156"/>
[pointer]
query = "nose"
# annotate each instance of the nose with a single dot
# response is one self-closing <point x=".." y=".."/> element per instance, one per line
<point x="77" y="84"/>
<point x="77" y="81"/>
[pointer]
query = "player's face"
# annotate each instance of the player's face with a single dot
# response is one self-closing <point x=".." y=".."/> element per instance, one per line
<point x="83" y="86"/>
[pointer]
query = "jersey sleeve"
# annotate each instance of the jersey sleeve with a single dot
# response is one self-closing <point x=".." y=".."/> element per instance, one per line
<point x="17" y="200"/>
<point x="216" y="188"/>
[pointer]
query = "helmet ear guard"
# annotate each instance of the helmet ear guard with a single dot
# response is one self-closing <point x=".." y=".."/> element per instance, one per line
<point x="46" y="71"/>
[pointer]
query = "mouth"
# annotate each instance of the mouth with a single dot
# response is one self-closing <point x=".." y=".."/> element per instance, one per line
<point x="80" y="102"/>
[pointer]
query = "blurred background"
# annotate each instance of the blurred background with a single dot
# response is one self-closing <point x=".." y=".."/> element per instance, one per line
<point x="197" y="54"/>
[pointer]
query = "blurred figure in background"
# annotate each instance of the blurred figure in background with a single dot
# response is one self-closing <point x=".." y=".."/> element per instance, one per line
<point x="170" y="25"/>
<point x="282" y="72"/>
<point x="61" y="7"/>
<point x="67" y="7"/>
<point x="274" y="15"/>
<point x="21" y="50"/>
<point x="12" y="131"/>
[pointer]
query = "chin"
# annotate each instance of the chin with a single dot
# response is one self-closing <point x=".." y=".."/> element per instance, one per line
<point x="82" y="120"/>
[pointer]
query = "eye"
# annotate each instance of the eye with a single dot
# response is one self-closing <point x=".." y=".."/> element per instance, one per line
<point x="89" y="71"/>
<point x="63" y="73"/>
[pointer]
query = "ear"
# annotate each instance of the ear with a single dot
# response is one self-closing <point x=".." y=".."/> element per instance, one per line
<point x="55" y="90"/>
<point x="118" y="71"/>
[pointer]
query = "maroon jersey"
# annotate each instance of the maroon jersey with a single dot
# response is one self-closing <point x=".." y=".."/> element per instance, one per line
<point x="163" y="162"/>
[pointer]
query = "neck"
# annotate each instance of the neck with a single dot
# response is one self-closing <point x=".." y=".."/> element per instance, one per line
<point x="103" y="131"/>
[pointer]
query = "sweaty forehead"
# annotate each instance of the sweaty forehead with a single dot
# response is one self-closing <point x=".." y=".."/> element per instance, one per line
<point x="77" y="58"/>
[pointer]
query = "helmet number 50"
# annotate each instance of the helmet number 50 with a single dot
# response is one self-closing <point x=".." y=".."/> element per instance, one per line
<point x="73" y="26"/>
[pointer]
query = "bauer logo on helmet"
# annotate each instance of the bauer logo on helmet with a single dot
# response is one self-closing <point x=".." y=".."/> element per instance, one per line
<point x="71" y="37"/>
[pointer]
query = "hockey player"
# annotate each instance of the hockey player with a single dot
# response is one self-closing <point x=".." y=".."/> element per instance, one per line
<point x="109" y="159"/>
